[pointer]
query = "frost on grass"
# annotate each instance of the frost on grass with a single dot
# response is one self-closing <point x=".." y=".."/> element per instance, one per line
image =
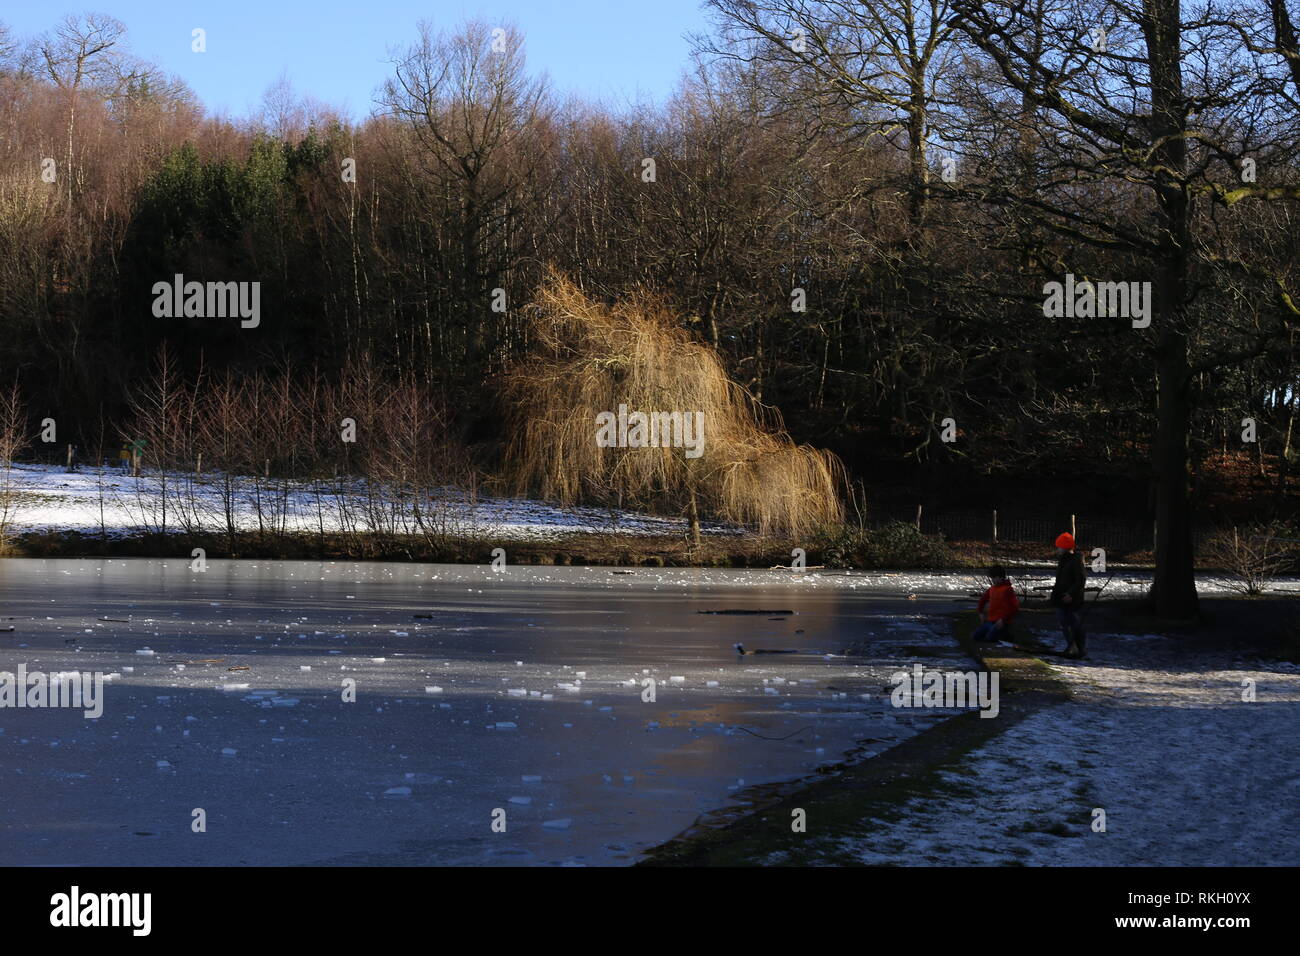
<point x="1186" y="771"/>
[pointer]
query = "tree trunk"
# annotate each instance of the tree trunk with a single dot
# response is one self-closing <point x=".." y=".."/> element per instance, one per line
<point x="1174" y="589"/>
<point x="918" y="169"/>
<point x="695" y="520"/>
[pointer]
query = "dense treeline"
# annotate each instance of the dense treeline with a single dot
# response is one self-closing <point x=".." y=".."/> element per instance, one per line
<point x="857" y="204"/>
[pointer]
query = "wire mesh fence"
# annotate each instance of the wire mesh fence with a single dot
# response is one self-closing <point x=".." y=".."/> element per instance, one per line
<point x="1018" y="528"/>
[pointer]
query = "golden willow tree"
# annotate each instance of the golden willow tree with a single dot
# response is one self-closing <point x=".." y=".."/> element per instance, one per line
<point x="589" y="358"/>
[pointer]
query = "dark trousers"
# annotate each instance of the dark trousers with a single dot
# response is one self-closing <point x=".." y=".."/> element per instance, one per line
<point x="1068" y="618"/>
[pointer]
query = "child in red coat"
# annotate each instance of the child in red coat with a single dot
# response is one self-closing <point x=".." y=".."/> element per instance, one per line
<point x="1001" y="603"/>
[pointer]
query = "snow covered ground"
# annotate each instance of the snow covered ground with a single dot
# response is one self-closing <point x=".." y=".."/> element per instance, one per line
<point x="1187" y="772"/>
<point x="112" y="501"/>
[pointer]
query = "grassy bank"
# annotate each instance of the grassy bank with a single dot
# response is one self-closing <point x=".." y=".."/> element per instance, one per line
<point x="840" y="801"/>
<point x="575" y="549"/>
<point x="928" y="553"/>
<point x="892" y="547"/>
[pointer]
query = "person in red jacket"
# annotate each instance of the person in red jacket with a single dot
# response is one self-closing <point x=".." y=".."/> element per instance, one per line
<point x="1001" y="603"/>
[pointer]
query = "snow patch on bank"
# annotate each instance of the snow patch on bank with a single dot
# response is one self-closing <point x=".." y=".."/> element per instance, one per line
<point x="115" y="503"/>
<point x="1188" y="773"/>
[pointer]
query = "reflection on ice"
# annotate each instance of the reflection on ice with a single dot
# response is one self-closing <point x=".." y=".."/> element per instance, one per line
<point x="620" y="712"/>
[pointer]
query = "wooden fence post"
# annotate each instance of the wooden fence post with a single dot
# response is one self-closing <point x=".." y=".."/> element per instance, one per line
<point x="995" y="525"/>
<point x="918" y="517"/>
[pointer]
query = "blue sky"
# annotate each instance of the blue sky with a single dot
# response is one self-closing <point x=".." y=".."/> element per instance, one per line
<point x="617" y="51"/>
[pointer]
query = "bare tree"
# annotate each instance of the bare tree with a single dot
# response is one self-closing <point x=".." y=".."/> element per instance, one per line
<point x="1140" y="114"/>
<point x="1253" y="554"/>
<point x="8" y="48"/>
<point x="1286" y="43"/>
<point x="862" y="70"/>
<point x="472" y="109"/>
<point x="82" y="51"/>
<point x="13" y="440"/>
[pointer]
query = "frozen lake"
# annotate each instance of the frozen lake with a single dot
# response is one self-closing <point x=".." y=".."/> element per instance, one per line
<point x="518" y="691"/>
